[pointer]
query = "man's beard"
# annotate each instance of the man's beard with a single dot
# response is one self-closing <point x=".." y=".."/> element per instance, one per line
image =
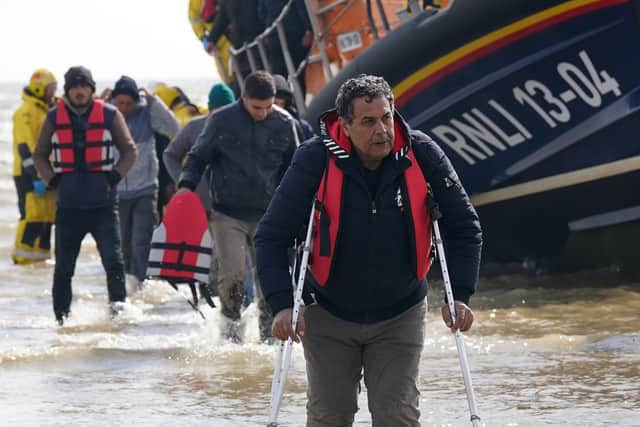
<point x="80" y="106"/>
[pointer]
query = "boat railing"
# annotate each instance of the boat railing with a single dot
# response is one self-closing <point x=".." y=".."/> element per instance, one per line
<point x="293" y="70"/>
<point x="258" y="58"/>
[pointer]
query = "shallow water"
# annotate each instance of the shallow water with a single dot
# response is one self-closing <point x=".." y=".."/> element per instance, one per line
<point x="545" y="350"/>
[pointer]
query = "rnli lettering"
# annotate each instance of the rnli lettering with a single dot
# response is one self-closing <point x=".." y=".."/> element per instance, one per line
<point x="483" y="132"/>
<point x="476" y="136"/>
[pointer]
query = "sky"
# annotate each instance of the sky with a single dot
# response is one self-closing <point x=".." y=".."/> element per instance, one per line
<point x="145" y="39"/>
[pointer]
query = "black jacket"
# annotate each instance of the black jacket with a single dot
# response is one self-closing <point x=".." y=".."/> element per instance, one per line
<point x="238" y="18"/>
<point x="373" y="278"/>
<point x="246" y="158"/>
<point x="296" y="22"/>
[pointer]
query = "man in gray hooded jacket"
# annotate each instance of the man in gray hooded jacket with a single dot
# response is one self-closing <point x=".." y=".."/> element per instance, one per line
<point x="144" y="114"/>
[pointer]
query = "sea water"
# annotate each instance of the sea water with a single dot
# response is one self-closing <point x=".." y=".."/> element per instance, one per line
<point x="560" y="349"/>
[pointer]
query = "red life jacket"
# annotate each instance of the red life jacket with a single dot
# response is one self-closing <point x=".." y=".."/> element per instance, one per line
<point x="209" y="9"/>
<point x="181" y="244"/>
<point x="329" y="208"/>
<point x="181" y="247"/>
<point x="98" y="153"/>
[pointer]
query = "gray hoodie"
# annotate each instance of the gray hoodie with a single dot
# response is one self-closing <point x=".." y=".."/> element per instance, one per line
<point x="149" y="116"/>
<point x="176" y="152"/>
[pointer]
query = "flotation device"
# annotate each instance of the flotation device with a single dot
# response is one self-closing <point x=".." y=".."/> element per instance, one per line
<point x="329" y="208"/>
<point x="181" y="244"/>
<point x="99" y="151"/>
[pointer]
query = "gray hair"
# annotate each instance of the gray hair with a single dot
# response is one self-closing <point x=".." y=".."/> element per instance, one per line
<point x="362" y="86"/>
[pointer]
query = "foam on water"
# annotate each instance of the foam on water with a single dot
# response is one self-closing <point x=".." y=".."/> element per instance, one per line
<point x="626" y="343"/>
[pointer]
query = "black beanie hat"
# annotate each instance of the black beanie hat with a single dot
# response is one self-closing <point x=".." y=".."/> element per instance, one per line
<point x="78" y="75"/>
<point x="126" y="86"/>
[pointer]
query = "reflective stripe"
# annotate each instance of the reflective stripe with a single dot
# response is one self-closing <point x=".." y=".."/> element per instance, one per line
<point x="30" y="255"/>
<point x="160" y="267"/>
<point x="98" y="152"/>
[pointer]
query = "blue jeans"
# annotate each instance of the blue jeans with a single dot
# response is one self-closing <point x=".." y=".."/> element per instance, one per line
<point x="71" y="226"/>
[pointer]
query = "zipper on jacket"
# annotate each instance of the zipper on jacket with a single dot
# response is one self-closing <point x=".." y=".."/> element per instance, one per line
<point x="374" y="210"/>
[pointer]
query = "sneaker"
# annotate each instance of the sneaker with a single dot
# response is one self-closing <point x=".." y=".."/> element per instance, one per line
<point x="61" y="316"/>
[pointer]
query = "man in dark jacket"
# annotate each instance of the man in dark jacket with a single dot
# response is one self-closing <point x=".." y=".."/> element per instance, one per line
<point x="366" y="284"/>
<point x="247" y="145"/>
<point x="298" y="34"/>
<point x="83" y="134"/>
<point x="239" y="20"/>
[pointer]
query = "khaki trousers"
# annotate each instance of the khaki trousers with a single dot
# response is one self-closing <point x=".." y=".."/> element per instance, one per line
<point x="232" y="238"/>
<point x="388" y="352"/>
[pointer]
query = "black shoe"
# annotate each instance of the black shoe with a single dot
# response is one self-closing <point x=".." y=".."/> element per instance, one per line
<point x="61" y="316"/>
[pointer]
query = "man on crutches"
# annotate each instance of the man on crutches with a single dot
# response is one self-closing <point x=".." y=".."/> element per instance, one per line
<point x="365" y="287"/>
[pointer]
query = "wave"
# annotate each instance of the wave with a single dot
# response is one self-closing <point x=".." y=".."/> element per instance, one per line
<point x="625" y="343"/>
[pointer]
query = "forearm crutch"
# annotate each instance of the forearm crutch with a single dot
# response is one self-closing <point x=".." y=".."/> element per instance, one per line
<point x="462" y="355"/>
<point x="283" y="355"/>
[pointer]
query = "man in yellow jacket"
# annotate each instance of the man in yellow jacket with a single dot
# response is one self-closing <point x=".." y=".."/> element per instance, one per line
<point x="179" y="104"/>
<point x="201" y="15"/>
<point x="35" y="201"/>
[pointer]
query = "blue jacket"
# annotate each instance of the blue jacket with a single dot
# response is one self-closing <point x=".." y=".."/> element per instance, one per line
<point x="372" y="278"/>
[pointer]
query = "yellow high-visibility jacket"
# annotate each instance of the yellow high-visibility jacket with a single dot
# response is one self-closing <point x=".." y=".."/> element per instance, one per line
<point x="37" y="212"/>
<point x="27" y="120"/>
<point x="201" y="29"/>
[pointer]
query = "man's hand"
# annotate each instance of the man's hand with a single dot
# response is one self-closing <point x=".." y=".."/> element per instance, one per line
<point x="464" y="316"/>
<point x="281" y="326"/>
<point x="210" y="47"/>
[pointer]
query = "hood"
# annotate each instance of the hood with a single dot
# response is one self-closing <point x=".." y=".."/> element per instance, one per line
<point x="27" y="96"/>
<point x="141" y="104"/>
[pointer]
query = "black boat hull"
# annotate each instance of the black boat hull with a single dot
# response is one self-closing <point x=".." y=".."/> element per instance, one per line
<point x="537" y="104"/>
